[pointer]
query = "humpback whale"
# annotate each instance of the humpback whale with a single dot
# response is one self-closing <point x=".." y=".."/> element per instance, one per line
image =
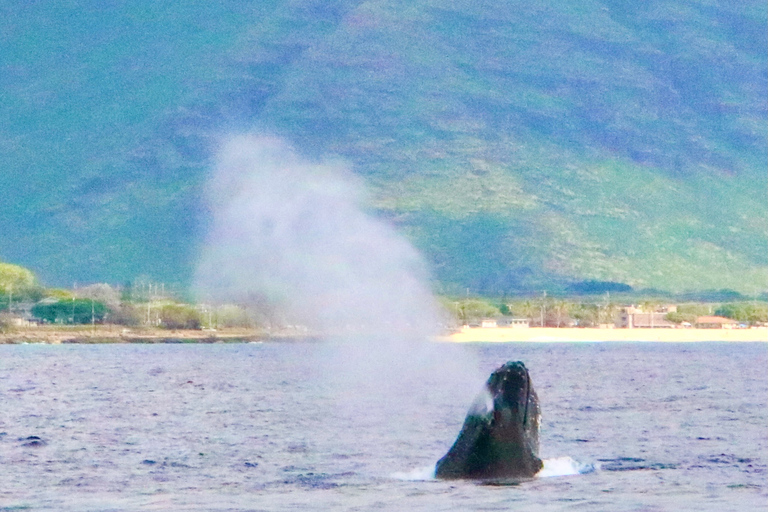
<point x="499" y="440"/>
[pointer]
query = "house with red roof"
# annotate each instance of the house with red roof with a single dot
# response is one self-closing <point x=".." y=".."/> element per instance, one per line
<point x="715" y="322"/>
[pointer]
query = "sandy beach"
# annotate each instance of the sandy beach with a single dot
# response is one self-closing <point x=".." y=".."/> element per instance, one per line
<point x="112" y="334"/>
<point x="550" y="334"/>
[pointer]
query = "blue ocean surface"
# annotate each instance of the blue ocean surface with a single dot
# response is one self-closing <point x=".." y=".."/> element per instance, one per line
<point x="252" y="427"/>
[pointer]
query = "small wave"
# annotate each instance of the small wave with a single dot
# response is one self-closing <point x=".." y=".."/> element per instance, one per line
<point x="563" y="466"/>
<point x="425" y="473"/>
<point x="560" y="466"/>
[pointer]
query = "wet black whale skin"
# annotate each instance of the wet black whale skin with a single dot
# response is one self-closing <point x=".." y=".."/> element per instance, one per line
<point x="499" y="442"/>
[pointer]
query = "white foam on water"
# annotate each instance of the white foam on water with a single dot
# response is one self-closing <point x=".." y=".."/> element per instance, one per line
<point x="559" y="466"/>
<point x="417" y="474"/>
<point x="563" y="466"/>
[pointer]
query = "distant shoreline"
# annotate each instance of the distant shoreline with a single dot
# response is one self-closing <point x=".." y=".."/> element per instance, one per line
<point x="103" y="334"/>
<point x="568" y="334"/>
<point x="110" y="334"/>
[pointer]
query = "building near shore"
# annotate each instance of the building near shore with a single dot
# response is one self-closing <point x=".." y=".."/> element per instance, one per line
<point x="634" y="318"/>
<point x="716" y="322"/>
<point x="18" y="321"/>
<point x="515" y="323"/>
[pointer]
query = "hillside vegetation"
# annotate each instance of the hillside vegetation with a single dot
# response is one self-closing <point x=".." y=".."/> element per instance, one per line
<point x="520" y="146"/>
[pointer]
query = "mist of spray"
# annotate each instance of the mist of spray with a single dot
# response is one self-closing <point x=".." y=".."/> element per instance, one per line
<point x="295" y="234"/>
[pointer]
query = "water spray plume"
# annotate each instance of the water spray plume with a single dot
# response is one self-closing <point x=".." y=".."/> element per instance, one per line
<point x="295" y="233"/>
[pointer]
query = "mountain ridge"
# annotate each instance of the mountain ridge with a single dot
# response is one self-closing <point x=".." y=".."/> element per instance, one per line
<point x="518" y="146"/>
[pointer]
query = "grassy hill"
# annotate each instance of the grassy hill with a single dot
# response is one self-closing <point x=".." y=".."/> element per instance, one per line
<point x="520" y="146"/>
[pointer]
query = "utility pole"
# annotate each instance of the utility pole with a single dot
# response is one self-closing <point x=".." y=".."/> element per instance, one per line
<point x="149" y="305"/>
<point x="458" y="317"/>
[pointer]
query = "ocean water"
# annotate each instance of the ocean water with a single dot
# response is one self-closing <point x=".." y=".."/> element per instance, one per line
<point x="251" y="427"/>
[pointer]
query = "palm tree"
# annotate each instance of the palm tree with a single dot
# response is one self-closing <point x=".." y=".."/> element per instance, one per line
<point x="561" y="308"/>
<point x="528" y="309"/>
<point x="607" y="313"/>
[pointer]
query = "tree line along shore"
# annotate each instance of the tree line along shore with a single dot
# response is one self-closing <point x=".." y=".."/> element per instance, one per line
<point x="144" y="311"/>
<point x="111" y="334"/>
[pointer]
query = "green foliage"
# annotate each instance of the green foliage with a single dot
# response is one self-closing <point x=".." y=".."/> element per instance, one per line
<point x="751" y="312"/>
<point x="5" y="322"/>
<point x="15" y="278"/>
<point x="75" y="311"/>
<point x="59" y="294"/>
<point x="179" y="316"/>
<point x="695" y="309"/>
<point x="679" y="317"/>
<point x="557" y="313"/>
<point x="130" y="315"/>
<point x="470" y="311"/>
<point x="231" y="316"/>
<point x="689" y="313"/>
<point x="587" y="315"/>
<point x="17" y="284"/>
<point x="524" y="309"/>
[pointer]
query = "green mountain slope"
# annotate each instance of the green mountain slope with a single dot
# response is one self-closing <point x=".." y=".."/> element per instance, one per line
<point x="520" y="146"/>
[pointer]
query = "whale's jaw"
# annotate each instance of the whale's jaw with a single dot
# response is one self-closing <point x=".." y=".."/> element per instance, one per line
<point x="499" y="440"/>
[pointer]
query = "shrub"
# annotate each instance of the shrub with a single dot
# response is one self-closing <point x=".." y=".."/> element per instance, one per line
<point x="232" y="316"/>
<point x="678" y="317"/>
<point x="5" y="322"/>
<point x="179" y="316"/>
<point x="128" y="314"/>
<point x="744" y="312"/>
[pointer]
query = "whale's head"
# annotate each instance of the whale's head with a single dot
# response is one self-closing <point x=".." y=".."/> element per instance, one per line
<point x="515" y="419"/>
<point x="511" y="389"/>
<point x="500" y="437"/>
